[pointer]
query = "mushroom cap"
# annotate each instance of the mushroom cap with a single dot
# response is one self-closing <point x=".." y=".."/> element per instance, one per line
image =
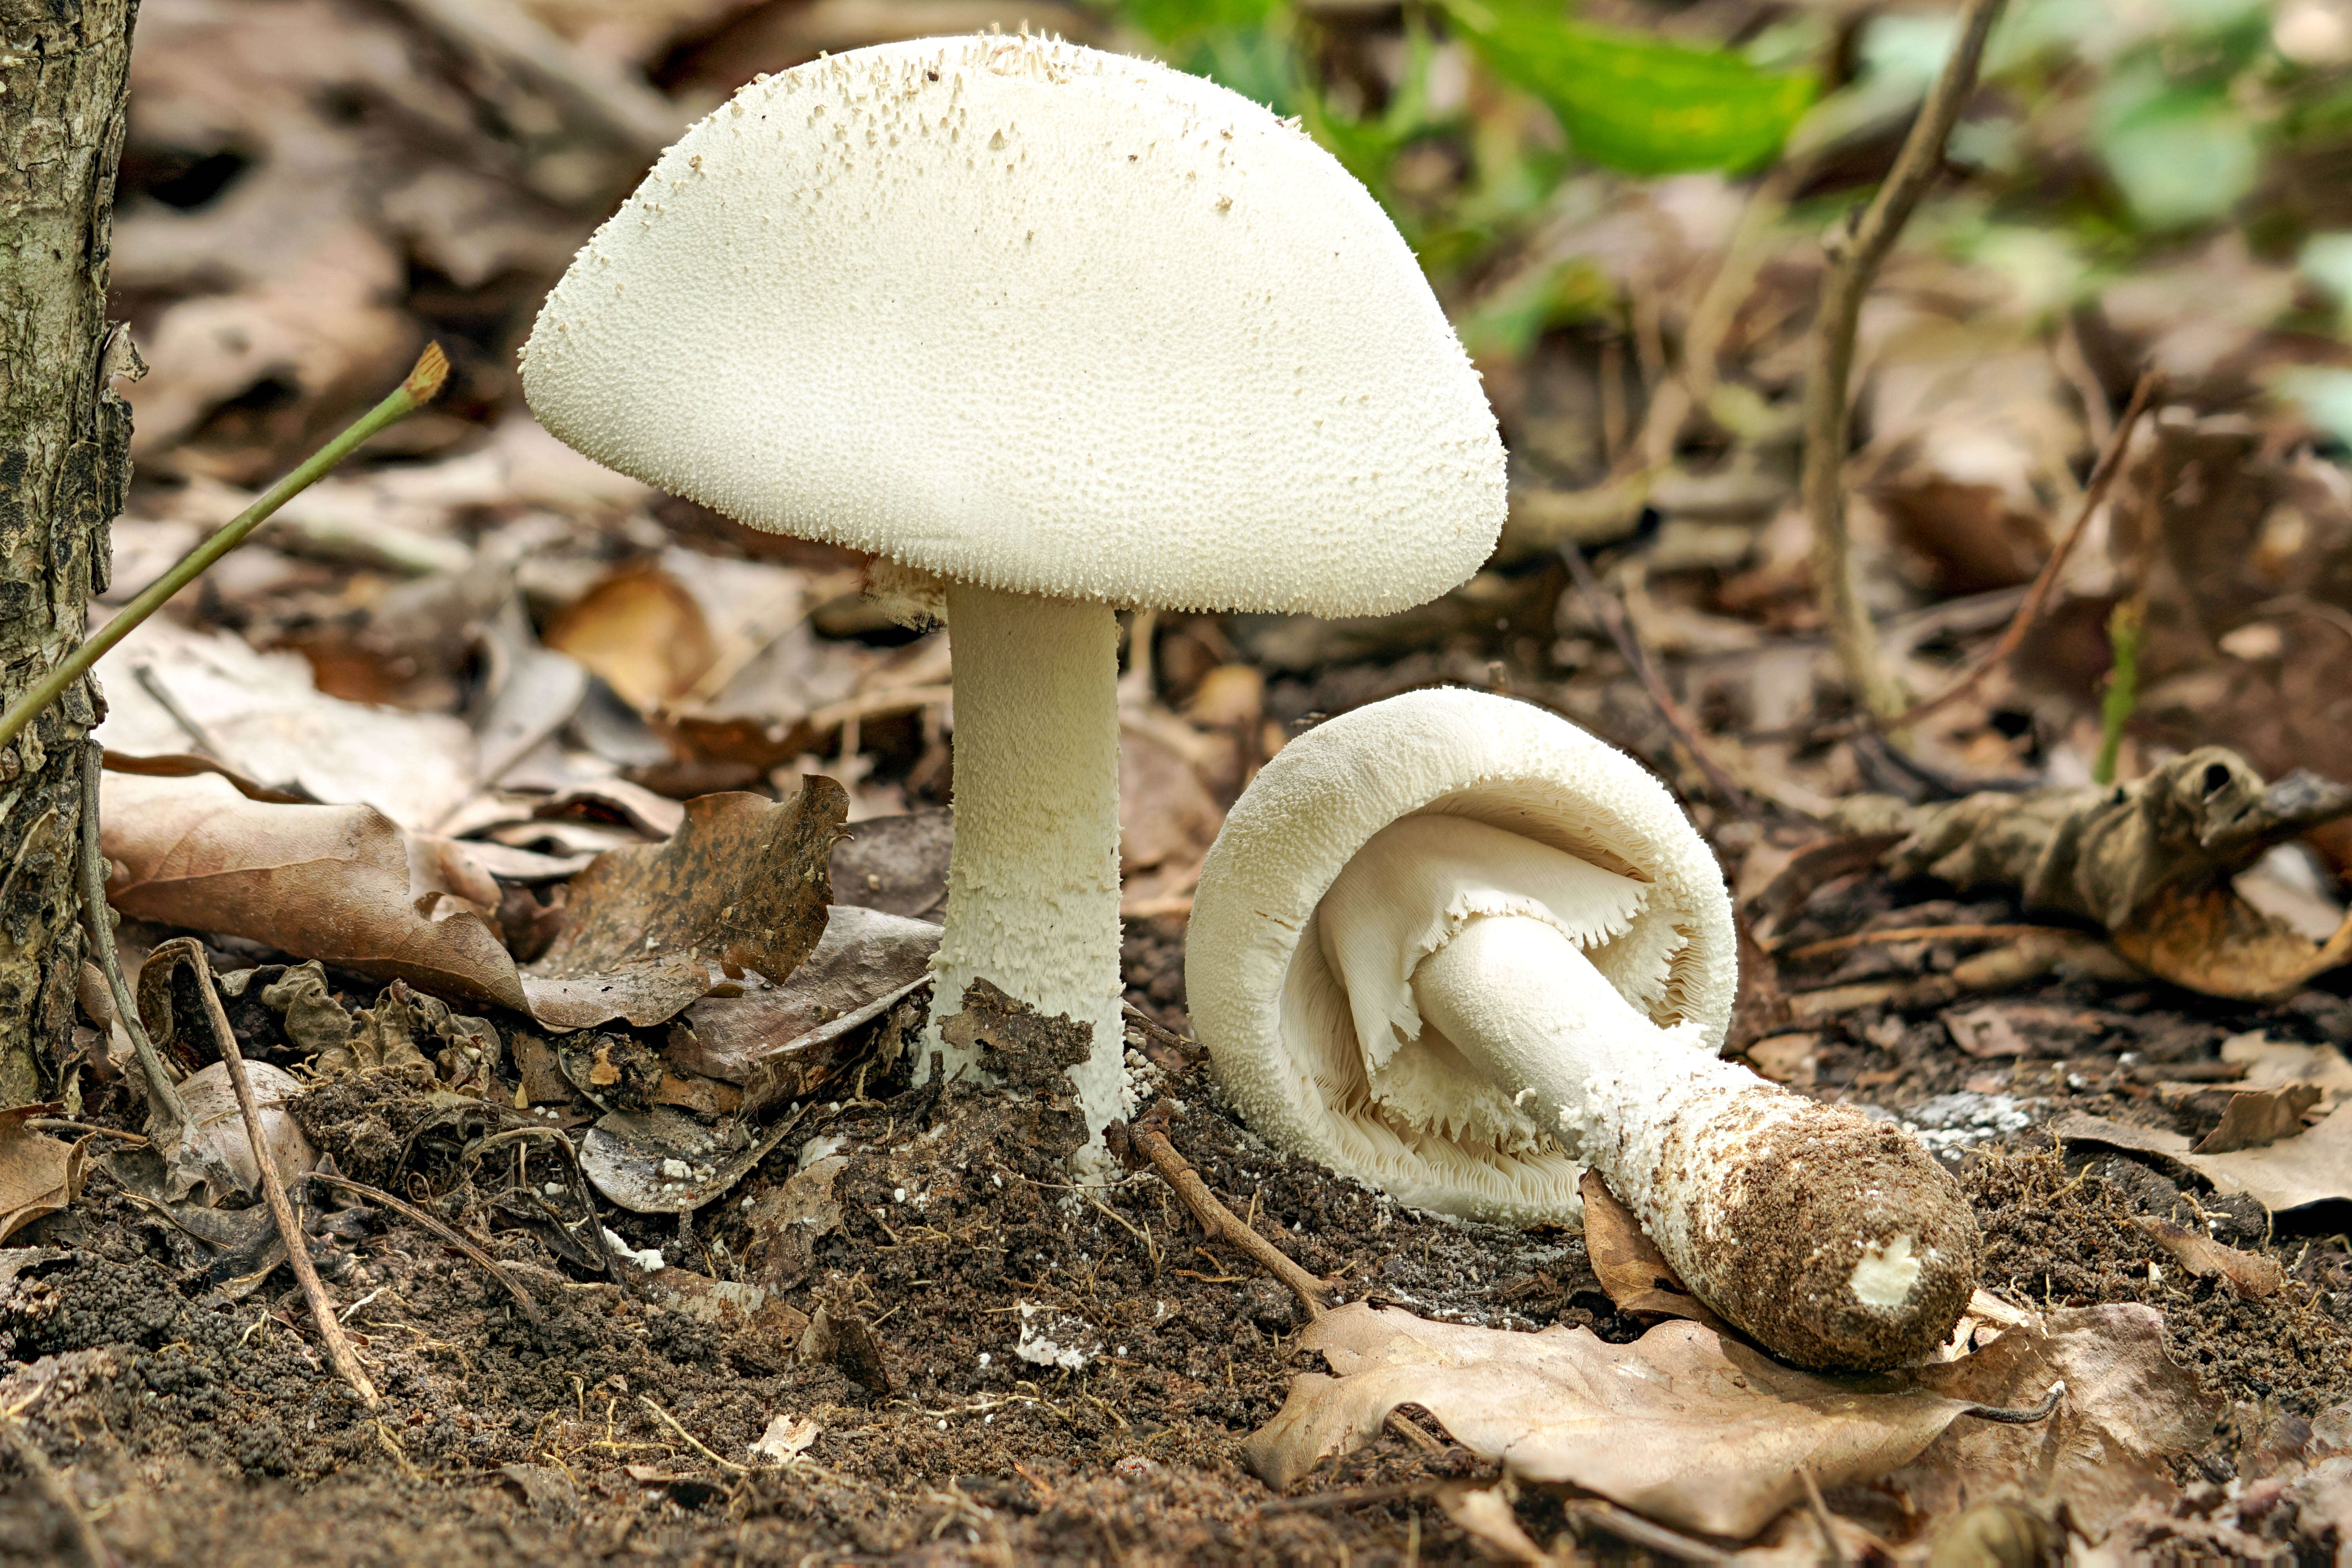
<point x="1279" y="1024"/>
<point x="1025" y="314"/>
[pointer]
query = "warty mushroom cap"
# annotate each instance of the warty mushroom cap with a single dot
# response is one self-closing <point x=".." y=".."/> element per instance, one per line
<point x="1652" y="916"/>
<point x="1049" y="320"/>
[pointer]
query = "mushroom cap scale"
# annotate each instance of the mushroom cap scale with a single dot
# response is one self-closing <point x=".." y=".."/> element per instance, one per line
<point x="1049" y="320"/>
<point x="1279" y="1023"/>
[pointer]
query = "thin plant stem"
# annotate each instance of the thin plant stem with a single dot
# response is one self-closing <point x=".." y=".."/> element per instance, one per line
<point x="1220" y="1221"/>
<point x="273" y="1188"/>
<point x="2103" y="477"/>
<point x="2126" y="624"/>
<point x="1856" y="248"/>
<point x="423" y="383"/>
<point x="167" y="1117"/>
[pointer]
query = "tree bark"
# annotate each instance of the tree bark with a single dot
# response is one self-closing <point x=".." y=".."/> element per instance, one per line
<point x="64" y="461"/>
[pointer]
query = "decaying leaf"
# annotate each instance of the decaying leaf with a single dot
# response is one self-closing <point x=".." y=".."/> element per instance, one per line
<point x="787" y="1437"/>
<point x="2313" y="1167"/>
<point x="1696" y="1431"/>
<point x="743" y="884"/>
<point x="340" y="883"/>
<point x="865" y="962"/>
<point x="2247" y="1273"/>
<point x="217" y="1126"/>
<point x="2153" y="861"/>
<point x="895" y="864"/>
<point x="2128" y="1407"/>
<point x="2260" y="1117"/>
<point x="662" y="1160"/>
<point x="789" y="1220"/>
<point x="1633" y="1270"/>
<point x="38" y="1174"/>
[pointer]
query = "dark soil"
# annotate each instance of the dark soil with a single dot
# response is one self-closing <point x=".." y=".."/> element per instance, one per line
<point x="947" y="1242"/>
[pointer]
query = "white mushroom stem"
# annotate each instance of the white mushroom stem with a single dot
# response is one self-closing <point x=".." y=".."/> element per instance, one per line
<point x="1833" y="1239"/>
<point x="1033" y="886"/>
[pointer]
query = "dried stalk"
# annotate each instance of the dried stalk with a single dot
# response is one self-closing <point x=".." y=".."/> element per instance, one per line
<point x="2094" y="494"/>
<point x="1220" y="1221"/>
<point x="281" y="1208"/>
<point x="1855" y="248"/>
<point x="1611" y="617"/>
<point x="167" y="1117"/>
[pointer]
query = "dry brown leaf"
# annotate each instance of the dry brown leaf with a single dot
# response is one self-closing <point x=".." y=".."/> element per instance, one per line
<point x="2313" y="1167"/>
<point x="2260" y="1117"/>
<point x="2269" y="1062"/>
<point x="2248" y="1274"/>
<point x="865" y="962"/>
<point x="1166" y="814"/>
<point x="1986" y="1032"/>
<point x="1693" y="1430"/>
<point x="1633" y="1270"/>
<point x="38" y="1174"/>
<point x="216" y="1124"/>
<point x="2128" y="1407"/>
<point x="743" y="884"/>
<point x="260" y="716"/>
<point x="642" y="631"/>
<point x="1786" y="1059"/>
<point x="340" y="883"/>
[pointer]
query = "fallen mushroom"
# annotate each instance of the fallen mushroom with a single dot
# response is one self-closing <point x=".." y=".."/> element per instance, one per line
<point x="1050" y="332"/>
<point x="1452" y="946"/>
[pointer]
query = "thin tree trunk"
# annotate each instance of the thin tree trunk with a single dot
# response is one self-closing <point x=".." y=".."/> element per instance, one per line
<point x="64" y="461"/>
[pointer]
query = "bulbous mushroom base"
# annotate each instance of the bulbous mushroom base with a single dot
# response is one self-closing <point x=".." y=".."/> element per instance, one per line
<point x="1836" y="1241"/>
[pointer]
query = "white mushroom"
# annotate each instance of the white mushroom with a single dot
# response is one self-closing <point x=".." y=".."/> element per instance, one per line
<point x="1454" y="947"/>
<point x="1069" y="331"/>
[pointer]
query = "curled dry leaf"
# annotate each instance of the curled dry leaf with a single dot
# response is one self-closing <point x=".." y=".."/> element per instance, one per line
<point x="743" y="884"/>
<point x="2153" y="861"/>
<point x="2312" y="1167"/>
<point x="217" y="1127"/>
<point x="1633" y="1270"/>
<point x="38" y="1174"/>
<point x="2127" y="1409"/>
<point x="2260" y="1117"/>
<point x="865" y="962"/>
<point x="340" y="883"/>
<point x="2247" y="1273"/>
<point x="1689" y="1429"/>
<point x="664" y="1161"/>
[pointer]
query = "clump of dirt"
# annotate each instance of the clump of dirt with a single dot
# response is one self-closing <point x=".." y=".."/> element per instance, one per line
<point x="2059" y="1233"/>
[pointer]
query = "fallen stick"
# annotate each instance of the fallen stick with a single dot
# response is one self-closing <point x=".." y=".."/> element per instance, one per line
<point x="1220" y="1221"/>
<point x="2103" y="477"/>
<point x="417" y="1217"/>
<point x="1918" y="934"/>
<point x="1611" y="616"/>
<point x="273" y="1188"/>
<point x="1854" y="248"/>
<point x="167" y="1117"/>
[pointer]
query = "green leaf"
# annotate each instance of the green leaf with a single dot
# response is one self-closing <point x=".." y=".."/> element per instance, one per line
<point x="1630" y="101"/>
<point x="2182" y="153"/>
<point x="1177" y="21"/>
